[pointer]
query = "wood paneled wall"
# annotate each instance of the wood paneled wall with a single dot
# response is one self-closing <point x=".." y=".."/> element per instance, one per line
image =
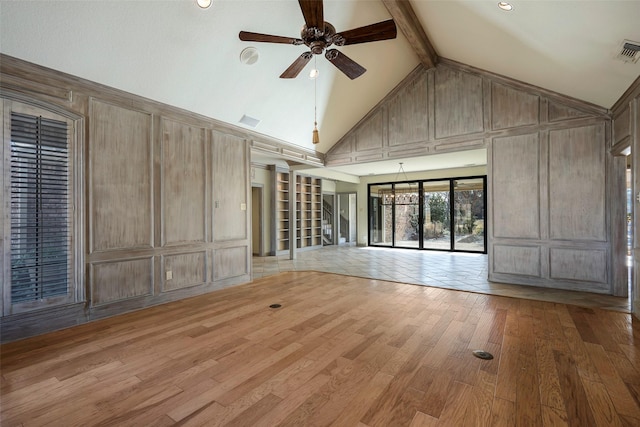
<point x="165" y="204"/>
<point x="550" y="169"/>
<point x="626" y="139"/>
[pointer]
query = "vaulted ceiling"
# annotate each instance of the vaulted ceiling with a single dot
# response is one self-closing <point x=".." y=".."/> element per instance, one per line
<point x="176" y="53"/>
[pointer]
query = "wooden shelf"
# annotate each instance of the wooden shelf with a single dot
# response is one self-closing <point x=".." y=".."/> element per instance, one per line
<point x="308" y="206"/>
<point x="280" y="234"/>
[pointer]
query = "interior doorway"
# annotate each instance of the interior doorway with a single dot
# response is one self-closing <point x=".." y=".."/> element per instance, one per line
<point x="629" y="228"/>
<point x="347" y="218"/>
<point x="257" y="231"/>
<point x="622" y="214"/>
<point x="328" y="219"/>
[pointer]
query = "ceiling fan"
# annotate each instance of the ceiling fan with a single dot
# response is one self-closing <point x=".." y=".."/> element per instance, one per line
<point x="318" y="35"/>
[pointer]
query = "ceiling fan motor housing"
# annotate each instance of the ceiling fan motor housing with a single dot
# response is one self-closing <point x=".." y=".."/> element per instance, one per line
<point x="318" y="40"/>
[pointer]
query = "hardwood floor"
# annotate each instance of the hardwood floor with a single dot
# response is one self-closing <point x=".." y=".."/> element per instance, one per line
<point x="340" y="351"/>
<point x="449" y="270"/>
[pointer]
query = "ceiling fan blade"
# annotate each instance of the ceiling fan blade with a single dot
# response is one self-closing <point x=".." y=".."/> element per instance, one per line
<point x="297" y="66"/>
<point x="312" y="10"/>
<point x="345" y="64"/>
<point x="257" y="37"/>
<point x="384" y="30"/>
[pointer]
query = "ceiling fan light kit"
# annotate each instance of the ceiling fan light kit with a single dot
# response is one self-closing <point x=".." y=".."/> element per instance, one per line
<point x="318" y="35"/>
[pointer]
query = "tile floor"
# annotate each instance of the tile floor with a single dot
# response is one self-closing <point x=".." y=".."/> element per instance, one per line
<point x="460" y="271"/>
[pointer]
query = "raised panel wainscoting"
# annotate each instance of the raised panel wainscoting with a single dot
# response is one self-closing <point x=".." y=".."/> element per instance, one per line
<point x="161" y="202"/>
<point x="549" y="169"/>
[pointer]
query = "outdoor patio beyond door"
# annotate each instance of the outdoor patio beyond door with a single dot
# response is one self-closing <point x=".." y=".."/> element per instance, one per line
<point x="446" y="214"/>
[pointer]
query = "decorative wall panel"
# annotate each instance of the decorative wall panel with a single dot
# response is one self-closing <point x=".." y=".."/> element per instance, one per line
<point x="518" y="260"/>
<point x="459" y="104"/>
<point x="621" y="128"/>
<point x="119" y="280"/>
<point x="578" y="264"/>
<point x="229" y="262"/>
<point x="516" y="182"/>
<point x="185" y="270"/>
<point x="184" y="180"/>
<point x="346" y="147"/>
<point x="408" y="113"/>
<point x="577" y="178"/>
<point x="120" y="178"/>
<point x="559" y="112"/>
<point x="512" y="107"/>
<point x="369" y="135"/>
<point x="230" y="198"/>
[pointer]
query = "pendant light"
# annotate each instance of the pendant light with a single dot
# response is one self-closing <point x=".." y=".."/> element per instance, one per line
<point x="315" y="138"/>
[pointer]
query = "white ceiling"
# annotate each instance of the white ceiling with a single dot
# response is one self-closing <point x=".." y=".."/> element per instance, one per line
<point x="176" y="53"/>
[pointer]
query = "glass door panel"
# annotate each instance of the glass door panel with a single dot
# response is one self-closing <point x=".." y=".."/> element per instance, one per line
<point x="437" y="225"/>
<point x="444" y="214"/>
<point x="469" y="214"/>
<point x="407" y="215"/>
<point x="381" y="215"/>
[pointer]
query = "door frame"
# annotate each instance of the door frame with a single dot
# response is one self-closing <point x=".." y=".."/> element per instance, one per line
<point x="420" y="182"/>
<point x="621" y="273"/>
<point x="259" y="188"/>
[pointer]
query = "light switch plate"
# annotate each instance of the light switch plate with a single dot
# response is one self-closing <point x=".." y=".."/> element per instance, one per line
<point x="169" y="274"/>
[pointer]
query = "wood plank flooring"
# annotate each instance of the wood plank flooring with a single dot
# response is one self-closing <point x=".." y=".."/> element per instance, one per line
<point x="341" y="351"/>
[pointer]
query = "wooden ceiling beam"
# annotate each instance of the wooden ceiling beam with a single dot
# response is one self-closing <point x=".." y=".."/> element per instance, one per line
<point x="406" y="19"/>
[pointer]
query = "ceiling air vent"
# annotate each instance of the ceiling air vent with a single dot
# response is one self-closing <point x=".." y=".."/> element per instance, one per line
<point x="249" y="121"/>
<point x="630" y="52"/>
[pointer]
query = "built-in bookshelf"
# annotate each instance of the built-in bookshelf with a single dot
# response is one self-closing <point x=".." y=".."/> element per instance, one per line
<point x="316" y="211"/>
<point x="281" y="215"/>
<point x="307" y="197"/>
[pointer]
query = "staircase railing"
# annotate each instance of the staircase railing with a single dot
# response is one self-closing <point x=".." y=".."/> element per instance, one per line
<point x="327" y="222"/>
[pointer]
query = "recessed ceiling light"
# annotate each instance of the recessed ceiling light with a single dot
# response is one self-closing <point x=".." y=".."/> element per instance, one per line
<point x="505" y="6"/>
<point x="204" y="4"/>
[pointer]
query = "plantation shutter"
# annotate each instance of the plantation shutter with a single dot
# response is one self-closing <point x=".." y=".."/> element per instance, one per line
<point x="40" y="232"/>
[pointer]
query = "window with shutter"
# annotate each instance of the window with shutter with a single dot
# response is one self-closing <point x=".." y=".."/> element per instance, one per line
<point x="40" y="208"/>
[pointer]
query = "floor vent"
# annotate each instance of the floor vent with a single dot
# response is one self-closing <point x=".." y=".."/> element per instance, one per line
<point x="275" y="306"/>
<point x="630" y="52"/>
<point x="481" y="354"/>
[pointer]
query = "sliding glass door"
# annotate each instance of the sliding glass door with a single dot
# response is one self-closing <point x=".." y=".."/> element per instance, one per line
<point x="468" y="208"/>
<point x="407" y="215"/>
<point x="437" y="211"/>
<point x="445" y="214"/>
<point x="381" y="215"/>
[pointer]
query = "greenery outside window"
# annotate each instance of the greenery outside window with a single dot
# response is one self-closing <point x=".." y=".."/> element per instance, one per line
<point x="443" y="214"/>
